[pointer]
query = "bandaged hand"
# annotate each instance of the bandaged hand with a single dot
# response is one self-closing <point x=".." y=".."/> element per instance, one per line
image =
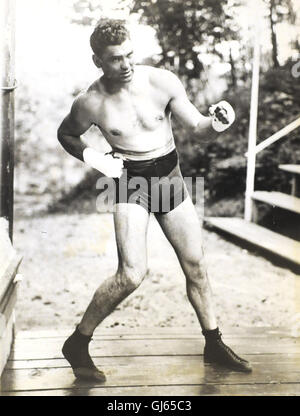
<point x="105" y="163"/>
<point x="222" y="115"/>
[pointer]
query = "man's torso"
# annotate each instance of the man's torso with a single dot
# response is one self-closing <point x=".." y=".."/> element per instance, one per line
<point x="135" y="121"/>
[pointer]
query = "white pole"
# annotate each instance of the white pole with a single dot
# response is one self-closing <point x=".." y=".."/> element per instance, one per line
<point x="252" y="127"/>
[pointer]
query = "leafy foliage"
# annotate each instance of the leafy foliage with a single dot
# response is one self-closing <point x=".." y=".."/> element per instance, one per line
<point x="184" y="29"/>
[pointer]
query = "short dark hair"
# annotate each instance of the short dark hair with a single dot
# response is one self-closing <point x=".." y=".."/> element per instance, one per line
<point x="108" y="32"/>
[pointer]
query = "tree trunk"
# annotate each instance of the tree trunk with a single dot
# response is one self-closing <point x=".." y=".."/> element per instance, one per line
<point x="273" y="36"/>
<point x="233" y="70"/>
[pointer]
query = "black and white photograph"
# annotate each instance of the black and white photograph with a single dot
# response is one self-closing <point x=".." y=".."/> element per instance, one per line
<point x="149" y="200"/>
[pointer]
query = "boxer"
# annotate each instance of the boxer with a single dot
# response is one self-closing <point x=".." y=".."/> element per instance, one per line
<point x="132" y="105"/>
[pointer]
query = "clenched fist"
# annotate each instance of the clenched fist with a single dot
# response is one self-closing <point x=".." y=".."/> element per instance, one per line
<point x="222" y="114"/>
<point x="105" y="163"/>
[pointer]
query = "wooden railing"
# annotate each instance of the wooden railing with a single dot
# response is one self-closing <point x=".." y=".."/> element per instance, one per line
<point x="251" y="154"/>
<point x="253" y="149"/>
<point x="276" y="136"/>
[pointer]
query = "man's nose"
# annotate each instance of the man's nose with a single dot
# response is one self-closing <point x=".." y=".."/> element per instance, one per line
<point x="125" y="63"/>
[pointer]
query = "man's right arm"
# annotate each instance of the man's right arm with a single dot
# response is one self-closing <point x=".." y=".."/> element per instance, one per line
<point x="75" y="123"/>
<point x="69" y="132"/>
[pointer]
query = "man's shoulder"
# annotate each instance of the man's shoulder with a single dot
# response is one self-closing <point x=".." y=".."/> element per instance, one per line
<point x="163" y="79"/>
<point x="87" y="99"/>
<point x="160" y="74"/>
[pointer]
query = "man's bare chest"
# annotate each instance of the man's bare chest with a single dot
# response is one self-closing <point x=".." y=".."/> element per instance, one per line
<point x="129" y="114"/>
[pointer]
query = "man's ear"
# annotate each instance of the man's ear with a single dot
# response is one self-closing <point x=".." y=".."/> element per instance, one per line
<point x="97" y="61"/>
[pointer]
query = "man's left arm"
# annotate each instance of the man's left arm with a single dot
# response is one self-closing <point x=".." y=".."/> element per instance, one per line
<point x="221" y="115"/>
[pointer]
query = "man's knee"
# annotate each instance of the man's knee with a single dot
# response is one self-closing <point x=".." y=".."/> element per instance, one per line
<point x="133" y="275"/>
<point x="194" y="267"/>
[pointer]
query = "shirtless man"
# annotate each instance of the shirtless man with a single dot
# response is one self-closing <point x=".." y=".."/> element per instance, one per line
<point x="132" y="106"/>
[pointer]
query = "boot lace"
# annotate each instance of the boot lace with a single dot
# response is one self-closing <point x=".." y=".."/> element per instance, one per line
<point x="228" y="349"/>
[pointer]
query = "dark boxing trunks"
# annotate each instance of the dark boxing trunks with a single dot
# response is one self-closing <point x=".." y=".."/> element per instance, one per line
<point x="156" y="184"/>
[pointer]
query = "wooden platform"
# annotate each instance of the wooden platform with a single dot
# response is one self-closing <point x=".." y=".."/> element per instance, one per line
<point x="9" y="263"/>
<point x="291" y="168"/>
<point x="157" y="362"/>
<point x="278" y="199"/>
<point x="295" y="170"/>
<point x="275" y="243"/>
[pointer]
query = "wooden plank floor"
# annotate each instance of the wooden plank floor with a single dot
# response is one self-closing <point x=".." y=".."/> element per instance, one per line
<point x="154" y="362"/>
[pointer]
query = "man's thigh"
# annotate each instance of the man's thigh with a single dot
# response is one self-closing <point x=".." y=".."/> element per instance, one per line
<point x="183" y="229"/>
<point x="131" y="225"/>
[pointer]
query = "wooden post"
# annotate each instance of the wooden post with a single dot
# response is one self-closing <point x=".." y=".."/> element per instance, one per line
<point x="7" y="86"/>
<point x="252" y="128"/>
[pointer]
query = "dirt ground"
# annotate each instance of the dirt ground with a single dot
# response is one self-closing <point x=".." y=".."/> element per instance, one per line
<point x="66" y="257"/>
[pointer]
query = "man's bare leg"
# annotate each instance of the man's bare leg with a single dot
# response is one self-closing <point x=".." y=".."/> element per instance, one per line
<point x="131" y="224"/>
<point x="182" y="228"/>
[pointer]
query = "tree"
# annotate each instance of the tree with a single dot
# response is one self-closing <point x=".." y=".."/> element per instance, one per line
<point x="279" y="11"/>
<point x="88" y="12"/>
<point x="186" y="29"/>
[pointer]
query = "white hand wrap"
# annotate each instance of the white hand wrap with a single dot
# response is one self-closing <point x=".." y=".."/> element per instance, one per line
<point x="226" y="110"/>
<point x="104" y="163"/>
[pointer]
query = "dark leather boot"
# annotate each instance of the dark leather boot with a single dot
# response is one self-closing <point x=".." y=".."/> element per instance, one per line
<point x="215" y="351"/>
<point x="76" y="352"/>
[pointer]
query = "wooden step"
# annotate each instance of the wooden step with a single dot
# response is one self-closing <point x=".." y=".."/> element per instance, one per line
<point x="295" y="170"/>
<point x="290" y="168"/>
<point x="278" y="199"/>
<point x="259" y="236"/>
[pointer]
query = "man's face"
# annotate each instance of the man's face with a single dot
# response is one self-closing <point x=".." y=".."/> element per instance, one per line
<point x="117" y="62"/>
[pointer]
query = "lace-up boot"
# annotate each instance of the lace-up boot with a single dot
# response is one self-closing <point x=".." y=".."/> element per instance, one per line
<point x="215" y="351"/>
<point x="76" y="352"/>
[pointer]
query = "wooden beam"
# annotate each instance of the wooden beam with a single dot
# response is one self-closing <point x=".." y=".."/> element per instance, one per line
<point x="6" y="340"/>
<point x="7" y="86"/>
<point x="9" y="263"/>
<point x="276" y="136"/>
<point x="7" y="278"/>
